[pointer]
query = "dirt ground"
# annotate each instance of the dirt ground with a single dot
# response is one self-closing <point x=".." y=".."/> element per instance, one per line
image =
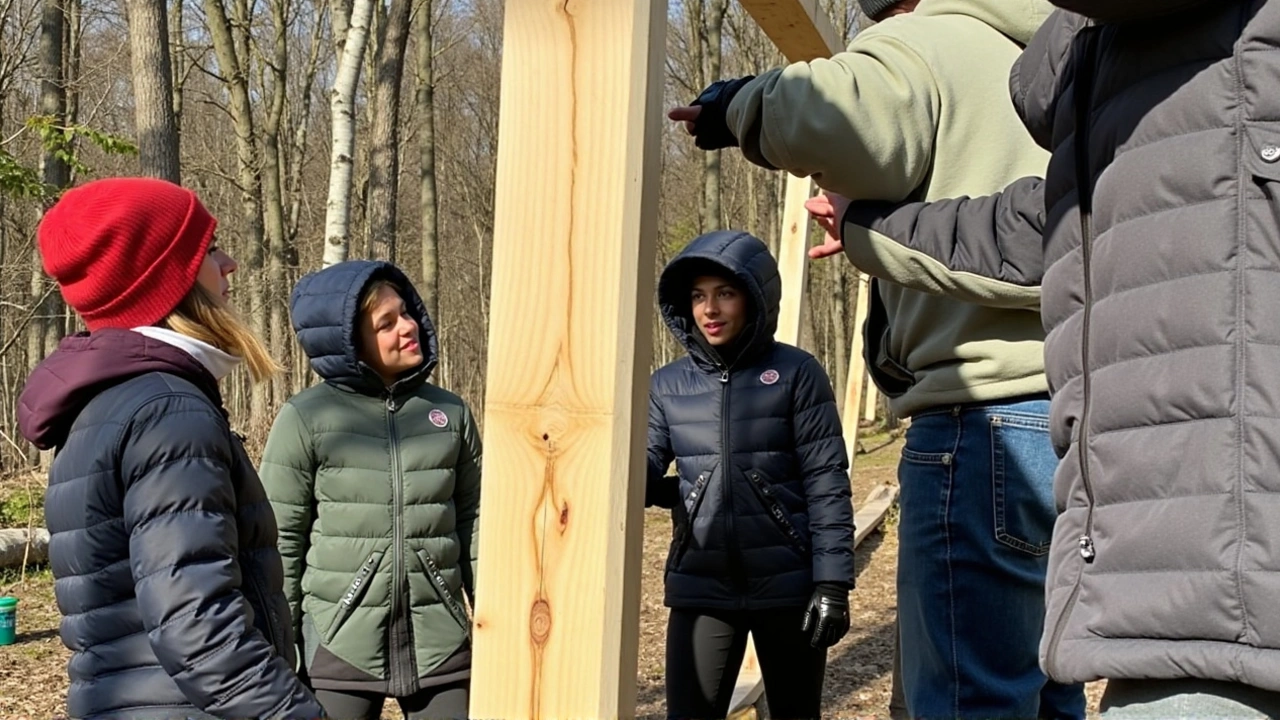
<point x="33" y="679"/>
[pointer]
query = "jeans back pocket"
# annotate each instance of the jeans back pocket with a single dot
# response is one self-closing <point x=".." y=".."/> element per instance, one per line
<point x="1023" y="464"/>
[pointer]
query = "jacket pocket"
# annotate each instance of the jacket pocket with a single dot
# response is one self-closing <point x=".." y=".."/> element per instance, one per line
<point x="890" y="376"/>
<point x="765" y="491"/>
<point x="355" y="591"/>
<point x="684" y="514"/>
<point x="1023" y="465"/>
<point x="436" y="578"/>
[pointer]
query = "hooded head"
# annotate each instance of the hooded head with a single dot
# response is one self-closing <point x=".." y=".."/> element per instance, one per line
<point x="745" y="263"/>
<point x="330" y="313"/>
<point x="1016" y="19"/>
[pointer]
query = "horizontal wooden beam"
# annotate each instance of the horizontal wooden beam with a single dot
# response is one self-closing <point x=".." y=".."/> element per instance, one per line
<point x="799" y="28"/>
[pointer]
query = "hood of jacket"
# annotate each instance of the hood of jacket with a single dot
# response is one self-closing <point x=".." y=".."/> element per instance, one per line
<point x="738" y="255"/>
<point x="325" y="311"/>
<point x="86" y="364"/>
<point x="1016" y="19"/>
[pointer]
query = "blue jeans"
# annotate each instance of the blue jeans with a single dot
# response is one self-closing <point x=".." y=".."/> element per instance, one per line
<point x="977" y="516"/>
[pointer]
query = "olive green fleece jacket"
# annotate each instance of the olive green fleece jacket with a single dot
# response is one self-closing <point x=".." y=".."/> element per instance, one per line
<point x="917" y="108"/>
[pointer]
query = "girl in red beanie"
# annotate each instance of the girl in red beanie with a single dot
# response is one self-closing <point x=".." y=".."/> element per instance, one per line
<point x="163" y="542"/>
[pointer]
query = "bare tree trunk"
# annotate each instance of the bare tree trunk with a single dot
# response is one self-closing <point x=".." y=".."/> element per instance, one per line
<point x="157" y="129"/>
<point x="426" y="119"/>
<point x="273" y="197"/>
<point x="234" y="67"/>
<point x="384" y="156"/>
<point x="342" y="106"/>
<point x="53" y="89"/>
<point x="298" y="153"/>
<point x="177" y="46"/>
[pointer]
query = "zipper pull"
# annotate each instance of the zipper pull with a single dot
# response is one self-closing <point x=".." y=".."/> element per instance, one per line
<point x="391" y="404"/>
<point x="724" y="376"/>
<point x="1086" y="548"/>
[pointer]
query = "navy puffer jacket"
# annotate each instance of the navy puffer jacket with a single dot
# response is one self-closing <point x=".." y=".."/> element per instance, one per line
<point x="163" y="542"/>
<point x="764" y="510"/>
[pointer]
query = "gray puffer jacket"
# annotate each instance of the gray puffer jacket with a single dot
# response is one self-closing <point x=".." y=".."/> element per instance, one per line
<point x="1163" y="347"/>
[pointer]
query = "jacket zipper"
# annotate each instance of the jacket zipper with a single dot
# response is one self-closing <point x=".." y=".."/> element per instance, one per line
<point x="442" y="589"/>
<point x="355" y="591"/>
<point x="1082" y="95"/>
<point x="398" y="679"/>
<point x="774" y="506"/>
<point x="726" y="489"/>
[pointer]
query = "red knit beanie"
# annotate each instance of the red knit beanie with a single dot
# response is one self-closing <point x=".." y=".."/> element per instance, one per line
<point x="125" y="251"/>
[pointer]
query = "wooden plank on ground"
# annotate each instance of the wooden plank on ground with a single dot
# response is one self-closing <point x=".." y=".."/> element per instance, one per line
<point x="872" y="511"/>
<point x="558" y="592"/>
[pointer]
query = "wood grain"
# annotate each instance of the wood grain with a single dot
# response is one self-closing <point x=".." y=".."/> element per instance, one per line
<point x="857" y="369"/>
<point x="799" y="28"/>
<point x="793" y="258"/>
<point x="557" y="599"/>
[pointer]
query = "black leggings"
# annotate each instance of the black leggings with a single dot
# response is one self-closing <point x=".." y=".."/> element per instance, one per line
<point x="705" y="649"/>
<point x="443" y="702"/>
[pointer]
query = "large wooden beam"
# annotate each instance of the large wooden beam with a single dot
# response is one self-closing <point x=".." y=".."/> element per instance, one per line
<point x="857" y="370"/>
<point x="558" y="592"/>
<point x="799" y="28"/>
<point x="793" y="258"/>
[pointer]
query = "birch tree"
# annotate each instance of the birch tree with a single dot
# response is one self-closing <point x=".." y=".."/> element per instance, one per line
<point x="337" y="223"/>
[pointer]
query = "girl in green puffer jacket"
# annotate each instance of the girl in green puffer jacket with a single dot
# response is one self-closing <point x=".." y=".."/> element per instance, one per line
<point x="374" y="476"/>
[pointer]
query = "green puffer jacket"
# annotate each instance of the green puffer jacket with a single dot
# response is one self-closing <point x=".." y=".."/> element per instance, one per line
<point x="376" y="493"/>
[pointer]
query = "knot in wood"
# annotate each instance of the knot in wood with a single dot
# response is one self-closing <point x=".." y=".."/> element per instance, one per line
<point x="540" y="622"/>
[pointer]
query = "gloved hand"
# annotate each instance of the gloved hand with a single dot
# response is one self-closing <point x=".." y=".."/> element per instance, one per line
<point x="707" y="121"/>
<point x="663" y="492"/>
<point x="826" y="620"/>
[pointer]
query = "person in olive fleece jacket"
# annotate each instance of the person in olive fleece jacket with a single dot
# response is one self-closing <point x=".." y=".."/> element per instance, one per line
<point x="763" y="516"/>
<point x="374" y="475"/>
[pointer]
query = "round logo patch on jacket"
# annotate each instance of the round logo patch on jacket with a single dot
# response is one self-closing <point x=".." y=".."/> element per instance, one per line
<point x="438" y="418"/>
<point x="769" y="377"/>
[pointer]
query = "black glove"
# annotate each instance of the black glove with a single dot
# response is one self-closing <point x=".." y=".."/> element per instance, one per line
<point x="710" y="131"/>
<point x="663" y="492"/>
<point x="826" y="620"/>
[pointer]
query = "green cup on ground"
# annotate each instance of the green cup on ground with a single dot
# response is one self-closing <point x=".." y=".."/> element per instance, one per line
<point x="8" y="620"/>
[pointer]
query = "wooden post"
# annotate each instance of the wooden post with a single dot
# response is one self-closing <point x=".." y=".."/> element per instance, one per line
<point x="857" y="371"/>
<point x="793" y="258"/>
<point x="558" y="593"/>
<point x="871" y="404"/>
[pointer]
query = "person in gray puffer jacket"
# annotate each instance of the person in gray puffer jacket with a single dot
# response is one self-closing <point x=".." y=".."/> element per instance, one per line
<point x="1156" y="239"/>
<point x="763" y="539"/>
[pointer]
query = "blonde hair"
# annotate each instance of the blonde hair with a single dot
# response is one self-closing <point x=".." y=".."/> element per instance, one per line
<point x="199" y="315"/>
<point x="370" y="297"/>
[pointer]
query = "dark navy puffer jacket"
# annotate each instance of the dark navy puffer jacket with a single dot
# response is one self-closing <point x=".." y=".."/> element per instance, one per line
<point x="164" y="545"/>
<point x="765" y="510"/>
